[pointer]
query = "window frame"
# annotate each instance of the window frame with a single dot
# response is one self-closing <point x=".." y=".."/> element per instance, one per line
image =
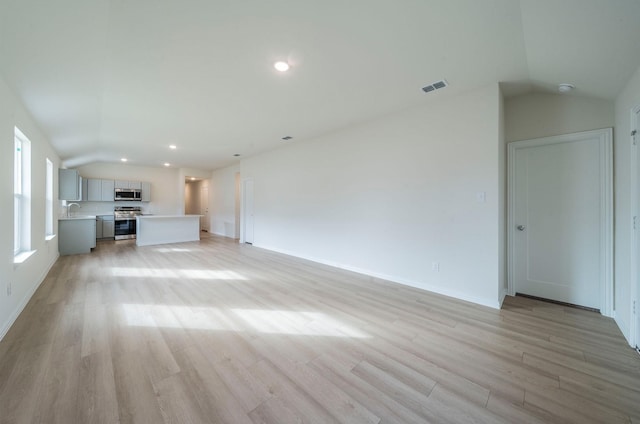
<point x="48" y="220"/>
<point x="21" y="194"/>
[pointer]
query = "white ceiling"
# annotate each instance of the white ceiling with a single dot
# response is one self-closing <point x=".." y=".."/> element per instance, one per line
<point x="107" y="79"/>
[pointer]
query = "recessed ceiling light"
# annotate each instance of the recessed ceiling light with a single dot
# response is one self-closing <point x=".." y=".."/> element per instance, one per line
<point x="281" y="66"/>
<point x="173" y="146"/>
<point x="565" y="88"/>
<point x="193" y="178"/>
<point x="123" y="159"/>
<point x="167" y="164"/>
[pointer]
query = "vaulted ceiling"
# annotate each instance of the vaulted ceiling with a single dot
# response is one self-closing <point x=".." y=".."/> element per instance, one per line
<point x="106" y="79"/>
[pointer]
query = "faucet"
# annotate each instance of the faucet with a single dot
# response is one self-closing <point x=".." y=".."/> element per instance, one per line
<point x="69" y="208"/>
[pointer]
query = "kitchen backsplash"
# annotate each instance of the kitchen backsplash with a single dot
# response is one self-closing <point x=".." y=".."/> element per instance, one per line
<point x="104" y="208"/>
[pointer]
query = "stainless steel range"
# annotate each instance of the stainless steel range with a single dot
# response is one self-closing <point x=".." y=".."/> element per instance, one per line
<point x="125" y="221"/>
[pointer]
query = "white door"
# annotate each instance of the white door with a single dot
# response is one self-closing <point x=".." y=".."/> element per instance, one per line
<point x="247" y="196"/>
<point x="204" y="208"/>
<point x="560" y="221"/>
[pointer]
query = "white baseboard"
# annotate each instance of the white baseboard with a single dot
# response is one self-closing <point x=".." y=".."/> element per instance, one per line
<point x="503" y="294"/>
<point x="23" y="303"/>
<point x="494" y="304"/>
<point x="624" y="328"/>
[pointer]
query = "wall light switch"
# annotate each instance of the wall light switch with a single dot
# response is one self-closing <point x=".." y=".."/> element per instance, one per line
<point x="435" y="266"/>
<point x="481" y="196"/>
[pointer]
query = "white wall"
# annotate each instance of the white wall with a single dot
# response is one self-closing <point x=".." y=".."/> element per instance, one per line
<point x="626" y="100"/>
<point x="502" y="201"/>
<point x="167" y="191"/>
<point x="26" y="277"/>
<point x="223" y="201"/>
<point x="542" y="115"/>
<point x="390" y="197"/>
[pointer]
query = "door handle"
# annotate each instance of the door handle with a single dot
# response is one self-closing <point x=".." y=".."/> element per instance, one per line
<point x="520" y="227"/>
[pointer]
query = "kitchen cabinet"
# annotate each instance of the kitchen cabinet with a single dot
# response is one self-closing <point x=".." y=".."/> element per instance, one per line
<point x="146" y="192"/>
<point x="105" y="227"/>
<point x="108" y="227"/>
<point x="77" y="235"/>
<point x="100" y="190"/>
<point x="107" y="190"/>
<point x="128" y="184"/>
<point x="94" y="190"/>
<point x="69" y="185"/>
<point x="84" y="191"/>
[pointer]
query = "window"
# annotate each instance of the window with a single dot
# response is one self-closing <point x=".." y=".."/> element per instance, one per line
<point x="48" y="223"/>
<point x="21" y="194"/>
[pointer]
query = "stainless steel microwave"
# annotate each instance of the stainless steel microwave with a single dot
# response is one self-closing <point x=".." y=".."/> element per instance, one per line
<point x="134" y="194"/>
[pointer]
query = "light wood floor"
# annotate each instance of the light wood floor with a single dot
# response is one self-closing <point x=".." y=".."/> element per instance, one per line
<point x="214" y="331"/>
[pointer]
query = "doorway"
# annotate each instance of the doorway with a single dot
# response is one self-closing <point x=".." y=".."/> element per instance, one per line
<point x="196" y="200"/>
<point x="561" y="219"/>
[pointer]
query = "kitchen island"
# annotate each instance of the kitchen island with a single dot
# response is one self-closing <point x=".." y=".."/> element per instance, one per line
<point x="163" y="229"/>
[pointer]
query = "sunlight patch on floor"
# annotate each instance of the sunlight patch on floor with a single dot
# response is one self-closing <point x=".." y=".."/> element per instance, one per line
<point x="296" y="323"/>
<point x="196" y="274"/>
<point x="262" y="321"/>
<point x="167" y="316"/>
<point x="175" y="249"/>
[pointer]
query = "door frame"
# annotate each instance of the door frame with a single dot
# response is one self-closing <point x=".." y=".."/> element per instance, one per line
<point x="634" y="202"/>
<point x="605" y="137"/>
<point x="243" y="209"/>
<point x="207" y="215"/>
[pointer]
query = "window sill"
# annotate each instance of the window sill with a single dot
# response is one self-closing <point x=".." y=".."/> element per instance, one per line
<point x="22" y="257"/>
<point x="51" y="237"/>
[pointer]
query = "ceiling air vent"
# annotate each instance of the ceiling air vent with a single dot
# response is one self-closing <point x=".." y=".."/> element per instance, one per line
<point x="435" y="86"/>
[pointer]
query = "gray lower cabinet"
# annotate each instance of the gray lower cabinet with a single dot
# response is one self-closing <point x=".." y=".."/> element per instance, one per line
<point x="98" y="228"/>
<point x="76" y="236"/>
<point x="105" y="227"/>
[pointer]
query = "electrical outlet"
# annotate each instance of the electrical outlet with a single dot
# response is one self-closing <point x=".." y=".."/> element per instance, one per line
<point x="435" y="266"/>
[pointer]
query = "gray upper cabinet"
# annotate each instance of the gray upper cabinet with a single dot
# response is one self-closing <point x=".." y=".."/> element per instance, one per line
<point x="84" y="191"/>
<point x="100" y="190"/>
<point x="69" y="185"/>
<point x="94" y="190"/>
<point x="146" y="192"/>
<point x="107" y="190"/>
<point x="128" y="184"/>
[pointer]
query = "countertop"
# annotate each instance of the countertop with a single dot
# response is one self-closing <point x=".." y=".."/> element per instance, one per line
<point x="167" y="216"/>
<point x="76" y="217"/>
